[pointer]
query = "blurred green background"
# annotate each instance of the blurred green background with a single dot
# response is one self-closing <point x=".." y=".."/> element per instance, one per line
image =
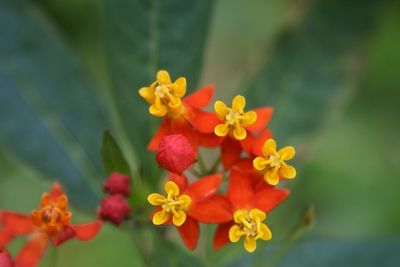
<point x="71" y="68"/>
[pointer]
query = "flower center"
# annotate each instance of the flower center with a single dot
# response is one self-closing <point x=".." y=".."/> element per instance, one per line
<point x="232" y="117"/>
<point x="275" y="161"/>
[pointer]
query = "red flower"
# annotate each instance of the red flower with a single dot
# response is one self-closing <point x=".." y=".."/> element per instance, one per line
<point x="118" y="183"/>
<point x="250" y="203"/>
<point x="186" y="205"/>
<point x="180" y="115"/>
<point x="114" y="209"/>
<point x="175" y="153"/>
<point x="5" y="259"/>
<point x="238" y="127"/>
<point x="51" y="223"/>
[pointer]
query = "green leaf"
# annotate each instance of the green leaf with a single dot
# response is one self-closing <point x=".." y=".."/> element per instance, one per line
<point x="113" y="158"/>
<point x="50" y="114"/>
<point x="313" y="65"/>
<point x="143" y="37"/>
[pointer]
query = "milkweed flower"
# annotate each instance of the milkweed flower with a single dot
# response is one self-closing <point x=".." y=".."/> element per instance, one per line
<point x="118" y="183"/>
<point x="175" y="153"/>
<point x="185" y="205"/>
<point x="272" y="164"/>
<point x="5" y="259"/>
<point x="114" y="209"/>
<point x="180" y="115"/>
<point x="237" y="128"/>
<point x="49" y="224"/>
<point x="250" y="204"/>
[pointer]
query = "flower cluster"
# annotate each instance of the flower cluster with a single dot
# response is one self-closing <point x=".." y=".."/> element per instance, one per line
<point x="248" y="155"/>
<point x="50" y="224"/>
<point x="114" y="208"/>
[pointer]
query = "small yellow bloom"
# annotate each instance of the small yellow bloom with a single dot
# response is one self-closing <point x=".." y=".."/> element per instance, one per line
<point x="173" y="205"/>
<point x="249" y="224"/>
<point x="235" y="119"/>
<point x="163" y="95"/>
<point x="273" y="163"/>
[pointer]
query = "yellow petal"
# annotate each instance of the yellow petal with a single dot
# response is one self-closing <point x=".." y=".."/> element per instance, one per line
<point x="271" y="177"/>
<point x="179" y="218"/>
<point x="238" y="215"/>
<point x="148" y="94"/>
<point x="158" y="111"/>
<point x="239" y="132"/>
<point x="156" y="199"/>
<point x="234" y="236"/>
<point x="238" y="103"/>
<point x="186" y="201"/>
<point x="249" y="118"/>
<point x="269" y="147"/>
<point x="221" y="110"/>
<point x="171" y="186"/>
<point x="265" y="232"/>
<point x="221" y="129"/>
<point x="259" y="163"/>
<point x="256" y="213"/>
<point x="163" y="77"/>
<point x="287" y="171"/>
<point x="250" y="244"/>
<point x="161" y="217"/>
<point x="180" y="87"/>
<point x="175" y="102"/>
<point x="287" y="153"/>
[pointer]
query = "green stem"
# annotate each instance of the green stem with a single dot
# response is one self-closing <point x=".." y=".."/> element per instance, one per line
<point x="53" y="256"/>
<point x="202" y="166"/>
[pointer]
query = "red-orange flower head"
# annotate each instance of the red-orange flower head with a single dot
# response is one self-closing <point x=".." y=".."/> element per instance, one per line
<point x="175" y="153"/>
<point x="5" y="259"/>
<point x="118" y="183"/>
<point x="53" y="214"/>
<point x="114" y="209"/>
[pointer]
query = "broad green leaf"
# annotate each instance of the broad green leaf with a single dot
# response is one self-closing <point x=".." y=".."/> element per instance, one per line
<point x="50" y="114"/>
<point x="113" y="158"/>
<point x="143" y="37"/>
<point x="313" y="65"/>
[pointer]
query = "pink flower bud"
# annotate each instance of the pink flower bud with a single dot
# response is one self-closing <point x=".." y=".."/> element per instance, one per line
<point x="175" y="153"/>
<point x="5" y="259"/>
<point x="118" y="184"/>
<point x="114" y="209"/>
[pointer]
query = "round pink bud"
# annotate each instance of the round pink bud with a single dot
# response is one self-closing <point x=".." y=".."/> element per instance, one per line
<point x="118" y="183"/>
<point x="114" y="209"/>
<point x="175" y="153"/>
<point x="5" y="259"/>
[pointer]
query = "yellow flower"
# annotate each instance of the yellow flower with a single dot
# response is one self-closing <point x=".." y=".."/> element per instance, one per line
<point x="163" y="95"/>
<point x="235" y="119"/>
<point x="273" y="163"/>
<point x="173" y="205"/>
<point x="249" y="224"/>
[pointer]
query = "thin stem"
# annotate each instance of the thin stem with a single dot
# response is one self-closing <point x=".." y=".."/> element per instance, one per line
<point x="215" y="165"/>
<point x="53" y="256"/>
<point x="202" y="166"/>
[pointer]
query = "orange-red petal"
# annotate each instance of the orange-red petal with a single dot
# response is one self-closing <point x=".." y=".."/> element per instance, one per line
<point x="56" y="191"/>
<point x="221" y="237"/>
<point x="268" y="199"/>
<point x="203" y="121"/>
<point x="204" y="187"/>
<point x="190" y="231"/>
<point x="263" y="117"/>
<point x="247" y="143"/>
<point x="163" y="130"/>
<point x="216" y="209"/>
<point x="5" y="237"/>
<point x="240" y="190"/>
<point x="17" y="223"/>
<point x="32" y="251"/>
<point x="259" y="142"/>
<point x="64" y="235"/>
<point x="230" y="152"/>
<point x="201" y="97"/>
<point x="182" y="127"/>
<point x="86" y="232"/>
<point x="180" y="179"/>
<point x="209" y="140"/>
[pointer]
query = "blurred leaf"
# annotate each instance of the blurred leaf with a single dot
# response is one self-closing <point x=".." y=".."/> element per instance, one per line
<point x="168" y="254"/>
<point x="333" y="252"/>
<point x="312" y="66"/>
<point x="113" y="158"/>
<point x="49" y="112"/>
<point x="143" y="37"/>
